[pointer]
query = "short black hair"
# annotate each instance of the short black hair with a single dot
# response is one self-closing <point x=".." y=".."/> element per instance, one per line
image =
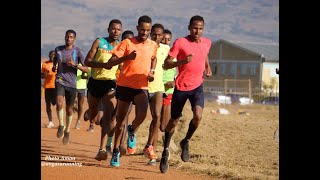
<point x="145" y="19"/>
<point x="71" y="31"/>
<point x="116" y="21"/>
<point x="126" y="32"/>
<point x="167" y="31"/>
<point x="52" y="51"/>
<point x="196" y="18"/>
<point x="157" y="25"/>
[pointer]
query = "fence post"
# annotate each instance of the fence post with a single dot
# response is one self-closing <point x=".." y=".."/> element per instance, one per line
<point x="225" y="86"/>
<point x="250" y="96"/>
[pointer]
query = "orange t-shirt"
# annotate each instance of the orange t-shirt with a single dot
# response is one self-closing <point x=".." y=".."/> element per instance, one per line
<point x="134" y="73"/>
<point x="49" y="80"/>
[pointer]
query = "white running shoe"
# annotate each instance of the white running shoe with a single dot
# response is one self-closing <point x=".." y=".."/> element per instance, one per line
<point x="78" y="125"/>
<point x="50" y="125"/>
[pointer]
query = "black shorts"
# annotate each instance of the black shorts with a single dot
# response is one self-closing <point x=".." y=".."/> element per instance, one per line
<point x="50" y="96"/>
<point x="68" y="92"/>
<point x="179" y="98"/>
<point x="98" y="88"/>
<point x="127" y="94"/>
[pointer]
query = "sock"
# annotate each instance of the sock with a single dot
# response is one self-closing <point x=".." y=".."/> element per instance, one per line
<point x="60" y="117"/>
<point x="49" y="114"/>
<point x="69" y="120"/>
<point x="147" y="146"/>
<point x="130" y="128"/>
<point x="109" y="141"/>
<point x="167" y="138"/>
<point x="115" y="150"/>
<point x="191" y="130"/>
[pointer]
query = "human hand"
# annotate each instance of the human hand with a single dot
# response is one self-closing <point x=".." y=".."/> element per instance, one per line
<point x="170" y="84"/>
<point x="132" y="55"/>
<point x="150" y="76"/>
<point x="189" y="58"/>
<point x="208" y="72"/>
<point x="71" y="61"/>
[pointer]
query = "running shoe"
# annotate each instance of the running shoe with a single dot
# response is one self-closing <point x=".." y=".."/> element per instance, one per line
<point x="78" y="125"/>
<point x="115" y="160"/>
<point x="90" y="128"/>
<point x="184" y="144"/>
<point x="164" y="165"/>
<point x="65" y="139"/>
<point x="131" y="142"/>
<point x="149" y="152"/>
<point x="152" y="162"/>
<point x="50" y="124"/>
<point x="102" y="155"/>
<point x="60" y="131"/>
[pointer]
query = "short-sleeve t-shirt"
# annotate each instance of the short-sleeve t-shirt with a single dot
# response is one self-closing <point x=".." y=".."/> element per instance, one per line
<point x="134" y="73"/>
<point x="157" y="84"/>
<point x="190" y="75"/>
<point x="169" y="75"/>
<point x="66" y="74"/>
<point x="49" y="80"/>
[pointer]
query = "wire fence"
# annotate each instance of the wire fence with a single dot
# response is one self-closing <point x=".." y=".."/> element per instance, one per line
<point x="236" y="88"/>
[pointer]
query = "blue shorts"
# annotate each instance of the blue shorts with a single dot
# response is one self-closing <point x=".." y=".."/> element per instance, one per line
<point x="179" y="98"/>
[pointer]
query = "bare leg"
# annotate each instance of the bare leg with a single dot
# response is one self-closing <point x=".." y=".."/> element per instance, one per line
<point x="155" y="108"/>
<point x="123" y="148"/>
<point x="107" y="124"/>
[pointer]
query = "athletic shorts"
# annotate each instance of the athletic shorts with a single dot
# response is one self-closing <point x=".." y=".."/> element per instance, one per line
<point x="68" y="92"/>
<point x="150" y="95"/>
<point x="50" y="95"/>
<point x="98" y="88"/>
<point x="179" y="98"/>
<point x="82" y="92"/>
<point x="127" y="94"/>
<point x="167" y="99"/>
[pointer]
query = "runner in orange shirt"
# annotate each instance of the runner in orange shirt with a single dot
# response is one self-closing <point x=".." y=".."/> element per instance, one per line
<point x="49" y="86"/>
<point x="138" y="55"/>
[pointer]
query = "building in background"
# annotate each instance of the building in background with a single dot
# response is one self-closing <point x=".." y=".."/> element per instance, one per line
<point x="242" y="67"/>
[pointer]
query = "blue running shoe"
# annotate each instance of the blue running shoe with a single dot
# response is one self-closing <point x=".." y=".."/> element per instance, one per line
<point x="115" y="159"/>
<point x="131" y="138"/>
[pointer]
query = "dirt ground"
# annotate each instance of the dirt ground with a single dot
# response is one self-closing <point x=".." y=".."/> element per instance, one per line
<point x="76" y="159"/>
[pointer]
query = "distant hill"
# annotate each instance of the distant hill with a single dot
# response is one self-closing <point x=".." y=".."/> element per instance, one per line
<point x="235" y="20"/>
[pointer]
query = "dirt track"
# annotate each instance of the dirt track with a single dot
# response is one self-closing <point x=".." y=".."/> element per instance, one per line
<point x="82" y="149"/>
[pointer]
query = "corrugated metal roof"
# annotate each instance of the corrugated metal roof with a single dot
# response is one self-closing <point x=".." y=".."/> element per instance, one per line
<point x="269" y="51"/>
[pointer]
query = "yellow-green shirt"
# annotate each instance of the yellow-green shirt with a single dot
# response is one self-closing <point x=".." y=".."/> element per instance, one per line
<point x="82" y="83"/>
<point x="157" y="84"/>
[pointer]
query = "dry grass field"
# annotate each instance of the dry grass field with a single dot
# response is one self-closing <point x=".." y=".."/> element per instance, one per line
<point x="235" y="146"/>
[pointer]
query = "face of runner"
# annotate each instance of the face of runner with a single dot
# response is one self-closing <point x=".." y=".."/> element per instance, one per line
<point x="166" y="39"/>
<point x="70" y="38"/>
<point x="115" y="30"/>
<point x="196" y="29"/>
<point x="126" y="36"/>
<point x="157" y="34"/>
<point x="144" y="29"/>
